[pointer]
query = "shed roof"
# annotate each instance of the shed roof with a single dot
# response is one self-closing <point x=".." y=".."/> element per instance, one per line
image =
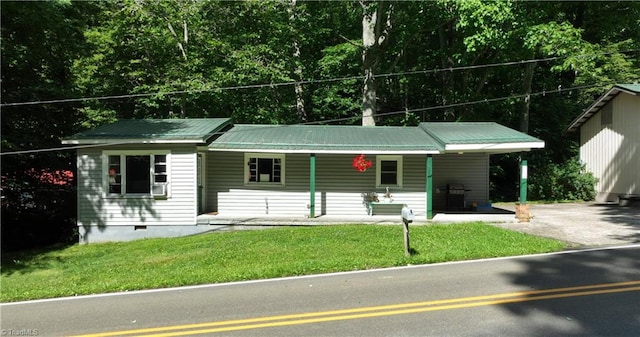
<point x="197" y="130"/>
<point x="326" y="138"/>
<point x="631" y="89"/>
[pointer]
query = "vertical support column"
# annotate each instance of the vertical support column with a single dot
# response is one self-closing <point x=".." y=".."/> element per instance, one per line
<point x="429" y="187"/>
<point x="522" y="208"/>
<point x="312" y="185"/>
<point x="523" y="182"/>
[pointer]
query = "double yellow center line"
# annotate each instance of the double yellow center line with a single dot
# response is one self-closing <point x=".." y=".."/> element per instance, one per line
<point x="376" y="311"/>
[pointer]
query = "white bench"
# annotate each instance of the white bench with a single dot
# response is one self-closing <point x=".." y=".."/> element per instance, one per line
<point x="389" y="206"/>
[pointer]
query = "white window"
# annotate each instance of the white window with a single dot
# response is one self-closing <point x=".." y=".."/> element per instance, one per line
<point x="389" y="171"/>
<point x="264" y="168"/>
<point x="136" y="173"/>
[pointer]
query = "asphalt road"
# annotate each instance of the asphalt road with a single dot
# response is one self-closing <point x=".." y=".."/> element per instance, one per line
<point x="581" y="293"/>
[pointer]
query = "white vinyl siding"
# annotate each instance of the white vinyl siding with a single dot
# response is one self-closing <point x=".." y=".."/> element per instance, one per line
<point x="471" y="170"/>
<point x="340" y="189"/>
<point x="96" y="209"/>
<point x="612" y="153"/>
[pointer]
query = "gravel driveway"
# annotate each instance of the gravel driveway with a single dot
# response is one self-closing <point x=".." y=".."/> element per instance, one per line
<point x="582" y="224"/>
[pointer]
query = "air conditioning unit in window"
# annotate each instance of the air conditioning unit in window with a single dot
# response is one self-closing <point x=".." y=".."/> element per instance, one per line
<point x="159" y="190"/>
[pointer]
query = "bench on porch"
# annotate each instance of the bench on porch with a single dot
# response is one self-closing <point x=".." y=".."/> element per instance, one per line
<point x="389" y="208"/>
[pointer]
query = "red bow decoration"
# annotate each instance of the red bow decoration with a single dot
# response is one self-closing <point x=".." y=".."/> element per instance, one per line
<point x="361" y="164"/>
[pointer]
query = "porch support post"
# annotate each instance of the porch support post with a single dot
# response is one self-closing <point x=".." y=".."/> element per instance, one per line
<point x="312" y="185"/>
<point x="522" y="209"/>
<point x="523" y="182"/>
<point x="429" y="187"/>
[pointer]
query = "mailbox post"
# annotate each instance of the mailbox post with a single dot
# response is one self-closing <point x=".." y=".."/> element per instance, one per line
<point x="407" y="218"/>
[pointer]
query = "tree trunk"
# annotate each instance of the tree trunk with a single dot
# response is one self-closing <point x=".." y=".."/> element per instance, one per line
<point x="526" y="99"/>
<point x="302" y="114"/>
<point x="446" y="77"/>
<point x="374" y="34"/>
<point x="369" y="18"/>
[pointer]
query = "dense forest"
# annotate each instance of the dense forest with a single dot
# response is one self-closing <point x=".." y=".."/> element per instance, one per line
<point x="68" y="66"/>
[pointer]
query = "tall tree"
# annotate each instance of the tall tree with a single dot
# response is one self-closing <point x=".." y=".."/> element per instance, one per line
<point x="40" y="40"/>
<point x="376" y="25"/>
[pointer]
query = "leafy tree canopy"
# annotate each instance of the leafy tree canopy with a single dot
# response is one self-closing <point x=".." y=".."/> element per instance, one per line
<point x="526" y="64"/>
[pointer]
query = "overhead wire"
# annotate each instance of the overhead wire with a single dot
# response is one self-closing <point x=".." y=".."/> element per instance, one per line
<point x="405" y="111"/>
<point x="304" y="82"/>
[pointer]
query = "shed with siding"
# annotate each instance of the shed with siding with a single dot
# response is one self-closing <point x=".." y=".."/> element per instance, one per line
<point x="151" y="178"/>
<point x="610" y="141"/>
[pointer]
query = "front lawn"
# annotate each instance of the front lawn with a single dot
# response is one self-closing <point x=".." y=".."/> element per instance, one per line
<point x="245" y="255"/>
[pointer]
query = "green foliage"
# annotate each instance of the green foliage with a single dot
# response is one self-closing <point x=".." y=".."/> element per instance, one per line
<point x="40" y="40"/>
<point x="566" y="181"/>
<point x="485" y="24"/>
<point x="343" y="98"/>
<point x="240" y="59"/>
<point x="245" y="255"/>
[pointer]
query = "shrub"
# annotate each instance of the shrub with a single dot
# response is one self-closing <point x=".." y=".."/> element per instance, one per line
<point x="567" y="181"/>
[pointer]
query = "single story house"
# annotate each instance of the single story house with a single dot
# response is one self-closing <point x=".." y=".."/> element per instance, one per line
<point x="610" y="141"/>
<point x="154" y="178"/>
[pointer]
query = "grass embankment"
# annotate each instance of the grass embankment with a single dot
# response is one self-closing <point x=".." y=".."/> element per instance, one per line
<point x="244" y="255"/>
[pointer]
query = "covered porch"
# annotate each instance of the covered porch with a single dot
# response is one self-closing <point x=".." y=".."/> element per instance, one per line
<point x="309" y="175"/>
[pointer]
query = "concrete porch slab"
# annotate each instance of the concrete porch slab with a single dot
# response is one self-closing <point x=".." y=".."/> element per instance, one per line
<point x="493" y="216"/>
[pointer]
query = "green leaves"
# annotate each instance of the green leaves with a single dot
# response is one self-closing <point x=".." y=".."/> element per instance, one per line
<point x="485" y="24"/>
<point x="285" y="62"/>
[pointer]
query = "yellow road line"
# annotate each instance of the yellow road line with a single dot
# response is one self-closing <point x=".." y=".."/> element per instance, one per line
<point x="376" y="311"/>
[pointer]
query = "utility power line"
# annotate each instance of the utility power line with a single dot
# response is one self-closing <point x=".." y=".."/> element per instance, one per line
<point x="281" y="84"/>
<point x="453" y="105"/>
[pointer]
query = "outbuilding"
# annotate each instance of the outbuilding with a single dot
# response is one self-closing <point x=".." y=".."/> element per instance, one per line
<point x="610" y="142"/>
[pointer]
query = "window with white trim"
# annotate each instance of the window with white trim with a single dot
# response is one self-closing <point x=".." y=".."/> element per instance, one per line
<point x="136" y="173"/>
<point x="388" y="171"/>
<point x="264" y="168"/>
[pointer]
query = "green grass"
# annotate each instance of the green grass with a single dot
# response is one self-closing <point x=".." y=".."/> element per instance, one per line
<point x="245" y="255"/>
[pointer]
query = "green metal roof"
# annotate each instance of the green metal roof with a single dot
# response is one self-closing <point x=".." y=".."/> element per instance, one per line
<point x="474" y="133"/>
<point x="197" y="130"/>
<point x="631" y="89"/>
<point x="428" y="138"/>
<point x="480" y="137"/>
<point x="326" y="138"/>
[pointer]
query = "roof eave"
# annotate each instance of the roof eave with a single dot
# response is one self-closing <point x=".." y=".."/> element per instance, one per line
<point x="115" y="141"/>
<point x="324" y="151"/>
<point x="595" y="106"/>
<point x="494" y="147"/>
